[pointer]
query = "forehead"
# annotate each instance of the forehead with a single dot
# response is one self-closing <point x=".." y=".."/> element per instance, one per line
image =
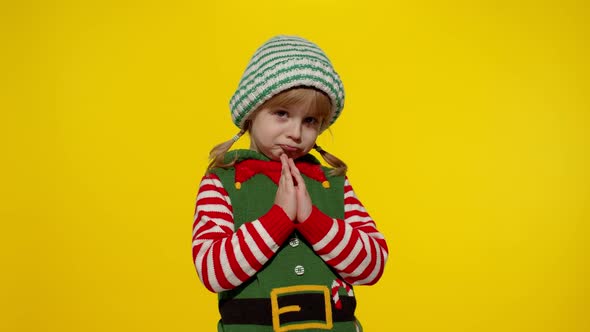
<point x="301" y="108"/>
<point x="310" y="105"/>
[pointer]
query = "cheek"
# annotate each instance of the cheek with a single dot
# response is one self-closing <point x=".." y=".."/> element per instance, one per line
<point x="311" y="133"/>
<point x="263" y="130"/>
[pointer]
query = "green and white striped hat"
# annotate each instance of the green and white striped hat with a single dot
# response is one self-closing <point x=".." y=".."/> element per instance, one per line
<point x="281" y="63"/>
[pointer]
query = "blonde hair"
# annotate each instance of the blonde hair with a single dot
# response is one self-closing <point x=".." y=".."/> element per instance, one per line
<point x="315" y="100"/>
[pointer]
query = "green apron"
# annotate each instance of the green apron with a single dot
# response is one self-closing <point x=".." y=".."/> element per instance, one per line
<point x="295" y="268"/>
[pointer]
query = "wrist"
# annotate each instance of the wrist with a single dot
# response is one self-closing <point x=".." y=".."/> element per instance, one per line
<point x="307" y="215"/>
<point x="316" y="226"/>
<point x="277" y="223"/>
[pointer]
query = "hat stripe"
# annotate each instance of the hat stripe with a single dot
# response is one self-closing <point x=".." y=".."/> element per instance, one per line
<point x="289" y="84"/>
<point x="266" y="78"/>
<point x="323" y="85"/>
<point x="280" y="70"/>
<point x="297" y="42"/>
<point x="259" y="85"/>
<point x="281" y="63"/>
<point x="297" y="80"/>
<point x="275" y="55"/>
<point x="292" y="40"/>
<point x="285" y="45"/>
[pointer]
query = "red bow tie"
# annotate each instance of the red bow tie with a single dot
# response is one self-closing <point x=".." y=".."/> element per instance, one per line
<point x="250" y="167"/>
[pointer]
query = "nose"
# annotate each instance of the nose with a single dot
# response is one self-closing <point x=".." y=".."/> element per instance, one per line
<point x="295" y="131"/>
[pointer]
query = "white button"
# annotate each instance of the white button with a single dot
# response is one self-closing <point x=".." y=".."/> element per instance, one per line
<point x="294" y="242"/>
<point x="299" y="270"/>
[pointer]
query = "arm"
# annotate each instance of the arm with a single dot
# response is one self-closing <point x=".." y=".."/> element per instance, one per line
<point x="353" y="246"/>
<point x="223" y="256"/>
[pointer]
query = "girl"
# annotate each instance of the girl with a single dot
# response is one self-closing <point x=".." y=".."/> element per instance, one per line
<point x="278" y="236"/>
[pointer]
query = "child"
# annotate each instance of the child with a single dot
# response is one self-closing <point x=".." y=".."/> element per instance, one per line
<point x="279" y="237"/>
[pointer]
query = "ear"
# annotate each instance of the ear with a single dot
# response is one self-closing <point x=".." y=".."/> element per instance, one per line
<point x="247" y="125"/>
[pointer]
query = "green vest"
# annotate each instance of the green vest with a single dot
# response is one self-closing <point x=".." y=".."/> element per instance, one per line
<point x="295" y="263"/>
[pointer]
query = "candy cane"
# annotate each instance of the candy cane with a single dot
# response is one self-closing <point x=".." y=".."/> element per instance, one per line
<point x="336" y="284"/>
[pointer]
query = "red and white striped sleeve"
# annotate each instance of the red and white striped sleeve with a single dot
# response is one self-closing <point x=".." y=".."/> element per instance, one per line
<point x="353" y="246"/>
<point x="223" y="256"/>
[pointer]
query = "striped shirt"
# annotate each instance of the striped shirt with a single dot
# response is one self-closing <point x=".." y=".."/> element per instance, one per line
<point x="225" y="257"/>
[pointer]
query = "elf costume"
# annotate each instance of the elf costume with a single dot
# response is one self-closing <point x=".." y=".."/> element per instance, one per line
<point x="272" y="274"/>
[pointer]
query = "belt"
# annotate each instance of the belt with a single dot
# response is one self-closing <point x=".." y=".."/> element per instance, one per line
<point x="289" y="305"/>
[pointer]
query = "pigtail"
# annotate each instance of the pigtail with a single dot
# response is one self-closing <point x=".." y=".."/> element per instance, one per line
<point x="340" y="167"/>
<point x="217" y="154"/>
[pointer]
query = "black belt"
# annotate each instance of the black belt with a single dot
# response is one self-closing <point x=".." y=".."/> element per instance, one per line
<point x="258" y="311"/>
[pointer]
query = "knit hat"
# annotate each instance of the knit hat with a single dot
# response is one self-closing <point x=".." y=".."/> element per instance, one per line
<point x="281" y="63"/>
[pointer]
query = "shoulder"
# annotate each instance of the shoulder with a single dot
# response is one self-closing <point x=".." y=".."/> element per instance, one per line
<point x="221" y="174"/>
<point x="210" y="180"/>
<point x="347" y="184"/>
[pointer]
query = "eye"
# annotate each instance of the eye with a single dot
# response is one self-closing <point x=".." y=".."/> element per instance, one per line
<point x="281" y="113"/>
<point x="311" y="121"/>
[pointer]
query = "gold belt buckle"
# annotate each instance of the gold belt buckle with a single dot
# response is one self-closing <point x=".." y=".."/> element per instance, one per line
<point x="276" y="311"/>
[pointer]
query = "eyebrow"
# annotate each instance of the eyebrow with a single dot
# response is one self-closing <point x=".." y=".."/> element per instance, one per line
<point x="309" y="112"/>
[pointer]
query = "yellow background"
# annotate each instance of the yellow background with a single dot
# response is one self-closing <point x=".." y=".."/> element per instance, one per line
<point x="466" y="130"/>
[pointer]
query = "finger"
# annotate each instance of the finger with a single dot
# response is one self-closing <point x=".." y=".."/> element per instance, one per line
<point x="293" y="167"/>
<point x="293" y="171"/>
<point x="284" y="167"/>
<point x="284" y="163"/>
<point x="297" y="174"/>
<point x="282" y="177"/>
<point x="285" y="172"/>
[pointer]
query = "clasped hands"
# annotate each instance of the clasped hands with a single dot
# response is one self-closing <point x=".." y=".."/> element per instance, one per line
<point x="292" y="195"/>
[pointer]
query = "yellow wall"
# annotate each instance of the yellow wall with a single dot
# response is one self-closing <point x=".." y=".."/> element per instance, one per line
<point x="478" y="114"/>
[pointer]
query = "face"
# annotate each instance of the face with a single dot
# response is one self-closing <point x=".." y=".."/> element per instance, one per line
<point x="291" y="130"/>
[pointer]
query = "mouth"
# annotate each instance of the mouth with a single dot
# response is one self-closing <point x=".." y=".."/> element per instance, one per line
<point x="289" y="148"/>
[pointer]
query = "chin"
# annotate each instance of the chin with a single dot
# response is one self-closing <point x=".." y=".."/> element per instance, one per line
<point x="291" y="155"/>
<point x="276" y="156"/>
<point x="297" y="155"/>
